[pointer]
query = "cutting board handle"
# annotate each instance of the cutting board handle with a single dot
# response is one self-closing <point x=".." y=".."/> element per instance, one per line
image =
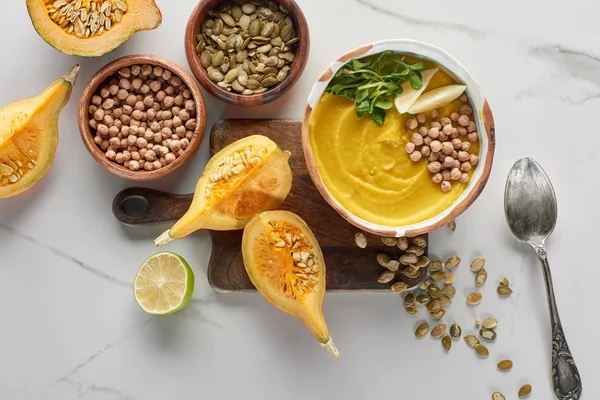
<point x="140" y="206"/>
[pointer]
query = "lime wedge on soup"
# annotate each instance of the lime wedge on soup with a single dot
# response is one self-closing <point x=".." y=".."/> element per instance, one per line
<point x="436" y="98"/>
<point x="409" y="95"/>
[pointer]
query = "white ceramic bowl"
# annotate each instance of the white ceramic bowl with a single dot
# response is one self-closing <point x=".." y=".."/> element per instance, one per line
<point x="483" y="118"/>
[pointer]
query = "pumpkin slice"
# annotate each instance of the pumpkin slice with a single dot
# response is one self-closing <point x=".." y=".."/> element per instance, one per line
<point x="284" y="262"/>
<point x="91" y="28"/>
<point x="247" y="177"/>
<point x="29" y="136"/>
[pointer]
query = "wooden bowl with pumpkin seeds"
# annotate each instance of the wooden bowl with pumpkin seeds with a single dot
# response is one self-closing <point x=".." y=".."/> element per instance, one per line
<point x="247" y="52"/>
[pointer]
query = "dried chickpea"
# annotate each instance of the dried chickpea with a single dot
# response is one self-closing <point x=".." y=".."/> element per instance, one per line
<point x="447" y="130"/>
<point x="119" y="158"/>
<point x="425" y="150"/>
<point x="421" y="118"/>
<point x="463" y="97"/>
<point x="416" y="139"/>
<point x="457" y="143"/>
<point x="110" y="154"/>
<point x="462" y="131"/>
<point x="446" y="186"/>
<point x="455" y="174"/>
<point x="464" y="177"/>
<point x="98" y="140"/>
<point x="434" y="133"/>
<point x="135" y="156"/>
<point x="433" y="156"/>
<point x="465" y="110"/>
<point x="96" y="100"/>
<point x="466" y="146"/>
<point x="448" y="162"/>
<point x="472" y="137"/>
<point x="169" y="158"/>
<point x="466" y="166"/>
<point x="427" y="140"/>
<point x="437" y="178"/>
<point x="436" y="146"/>
<point x="409" y="147"/>
<point x="434" y="114"/>
<point x="446" y="121"/>
<point x="436" y="124"/>
<point x="447" y="148"/>
<point x="463" y="156"/>
<point x="472" y="127"/>
<point x="473" y="159"/>
<point x="434" y="167"/>
<point x="454" y="116"/>
<point x="463" y="120"/>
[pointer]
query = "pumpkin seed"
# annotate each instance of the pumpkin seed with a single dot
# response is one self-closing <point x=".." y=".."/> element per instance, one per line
<point x="255" y="27"/>
<point x="231" y="75"/>
<point x="419" y="241"/>
<point x="504" y="291"/>
<point x="426" y="284"/>
<point x="399" y="287"/>
<point x="490" y="323"/>
<point x="449" y="290"/>
<point x="482" y="351"/>
<point x="409" y="300"/>
<point x="452" y="262"/>
<point x="402" y="243"/>
<point x="477" y="264"/>
<point x="408" y="259"/>
<point x="389" y="241"/>
<point x="446" y="302"/>
<point x="438" y="331"/>
<point x="438" y="314"/>
<point x="237" y="87"/>
<point x="474" y="298"/>
<point x="422" y="330"/>
<point x="435" y="292"/>
<point x="436" y="265"/>
<point x="488" y="334"/>
<point x="253" y="84"/>
<point x="416" y="250"/>
<point x="422" y="262"/>
<point x="236" y="12"/>
<point x="452" y="226"/>
<point x="446" y="342"/>
<point x="481" y="277"/>
<point x="360" y="239"/>
<point x="438" y="276"/>
<point x="504" y="282"/>
<point x="472" y="340"/>
<point x="244" y="22"/>
<point x="434" y="305"/>
<point x="422" y="299"/>
<point x="205" y="59"/>
<point x="218" y="27"/>
<point x="411" y="272"/>
<point x="412" y="310"/>
<point x="227" y="19"/>
<point x="525" y="391"/>
<point x="386" y="276"/>
<point x="248" y="8"/>
<point x="215" y="76"/>
<point x="270" y="81"/>
<point x="217" y="58"/>
<point x="382" y="258"/>
<point x="242" y="77"/>
<point x="393" y="265"/>
<point x="455" y="331"/>
<point x="498" y="396"/>
<point x="505" y="365"/>
<point x="449" y="278"/>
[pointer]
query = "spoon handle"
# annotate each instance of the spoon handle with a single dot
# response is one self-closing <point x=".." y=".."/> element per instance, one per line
<point x="565" y="376"/>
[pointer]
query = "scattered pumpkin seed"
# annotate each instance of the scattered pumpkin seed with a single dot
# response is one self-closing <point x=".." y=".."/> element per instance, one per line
<point x="449" y="279"/>
<point x="453" y="262"/>
<point x="490" y="323"/>
<point x="438" y="331"/>
<point x="434" y="305"/>
<point x="386" y="276"/>
<point x="525" y="391"/>
<point x="402" y="243"/>
<point x="360" y="239"/>
<point x="411" y="272"/>
<point x="383" y="259"/>
<point x="423" y="299"/>
<point x="389" y="241"/>
<point x="412" y="310"/>
<point x="505" y="365"/>
<point x="426" y="284"/>
<point x="419" y="241"/>
<point x="452" y="226"/>
<point x="436" y="265"/>
<point x="498" y="396"/>
<point x="449" y="290"/>
<point x="399" y="287"/>
<point x="393" y="265"/>
<point x="446" y="302"/>
<point x="474" y="298"/>
<point x="408" y="259"/>
<point x="482" y="351"/>
<point x="422" y="262"/>
<point x="477" y="264"/>
<point x="504" y="291"/>
<point x="416" y="250"/>
<point x="481" y="277"/>
<point x="409" y="300"/>
<point x="435" y="292"/>
<point x="504" y="282"/>
<point x="447" y="342"/>
<point x="472" y="340"/>
<point x="438" y="314"/>
<point x="488" y="334"/>
<point x="438" y="276"/>
<point x="422" y="330"/>
<point x="455" y="331"/>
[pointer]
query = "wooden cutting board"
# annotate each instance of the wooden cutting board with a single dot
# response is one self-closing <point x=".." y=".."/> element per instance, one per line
<point x="349" y="268"/>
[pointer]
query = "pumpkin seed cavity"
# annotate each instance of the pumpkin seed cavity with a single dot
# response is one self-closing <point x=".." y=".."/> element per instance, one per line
<point x="93" y="18"/>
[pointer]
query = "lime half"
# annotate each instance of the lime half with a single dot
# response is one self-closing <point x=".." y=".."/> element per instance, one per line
<point x="164" y="284"/>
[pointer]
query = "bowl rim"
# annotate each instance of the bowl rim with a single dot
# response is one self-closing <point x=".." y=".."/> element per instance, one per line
<point x="296" y="69"/>
<point x="88" y="138"/>
<point x="485" y="128"/>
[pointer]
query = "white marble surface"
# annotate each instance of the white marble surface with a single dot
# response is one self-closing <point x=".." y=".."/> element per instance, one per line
<point x="71" y="329"/>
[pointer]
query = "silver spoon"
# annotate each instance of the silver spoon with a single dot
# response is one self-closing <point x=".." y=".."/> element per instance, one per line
<point x="531" y="213"/>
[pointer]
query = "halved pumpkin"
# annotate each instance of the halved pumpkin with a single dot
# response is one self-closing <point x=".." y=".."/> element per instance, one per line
<point x="249" y="176"/>
<point x="29" y="136"/>
<point x="284" y="262"/>
<point x="91" y="28"/>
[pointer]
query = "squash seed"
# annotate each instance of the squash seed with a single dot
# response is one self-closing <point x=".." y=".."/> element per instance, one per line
<point x="426" y="284"/>
<point x="436" y="265"/>
<point x="438" y="315"/>
<point x="452" y="226"/>
<point x="393" y="265"/>
<point x="408" y="259"/>
<point x="449" y="278"/>
<point x="453" y="262"/>
<point x="419" y="241"/>
<point x="409" y="300"/>
<point x="389" y="241"/>
<point x="360" y="239"/>
<point x="488" y="334"/>
<point x="438" y="276"/>
<point x="435" y="292"/>
<point x="525" y="391"/>
<point x="474" y="298"/>
<point x="477" y="264"/>
<point x="412" y="310"/>
<point x="446" y="302"/>
<point x="490" y="323"/>
<point x="505" y="365"/>
<point x="447" y="342"/>
<point x="416" y="250"/>
<point x="449" y="290"/>
<point x="434" y="305"/>
<point x="504" y="291"/>
<point x="386" y="276"/>
<point x="422" y="299"/>
<point x="482" y="351"/>
<point x="402" y="243"/>
<point x="422" y="330"/>
<point x="455" y="331"/>
<point x="481" y="277"/>
<point x="422" y="262"/>
<point x="498" y="396"/>
<point x="399" y="287"/>
<point x="504" y="282"/>
<point x="438" y="331"/>
<point x="411" y="272"/>
<point x="472" y="340"/>
<point x="383" y="259"/>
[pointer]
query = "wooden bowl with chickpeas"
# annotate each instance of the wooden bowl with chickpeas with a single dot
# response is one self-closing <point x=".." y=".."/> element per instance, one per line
<point x="142" y="117"/>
